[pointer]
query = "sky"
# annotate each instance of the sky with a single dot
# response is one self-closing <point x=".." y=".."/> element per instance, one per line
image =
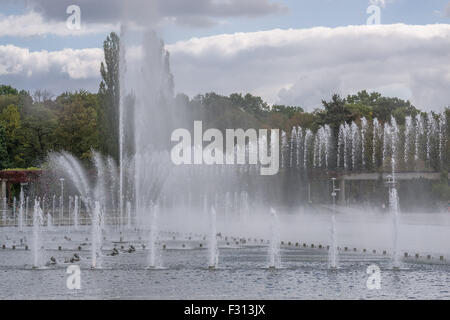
<point x="294" y="52"/>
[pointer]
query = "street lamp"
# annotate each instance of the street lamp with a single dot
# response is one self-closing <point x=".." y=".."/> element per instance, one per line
<point x="334" y="194"/>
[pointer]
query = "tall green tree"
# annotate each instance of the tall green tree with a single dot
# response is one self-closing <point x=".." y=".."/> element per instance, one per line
<point x="39" y="133"/>
<point x="4" y="158"/>
<point x="8" y="90"/>
<point x="12" y="123"/>
<point x="77" y="124"/>
<point x="109" y="95"/>
<point x="335" y="113"/>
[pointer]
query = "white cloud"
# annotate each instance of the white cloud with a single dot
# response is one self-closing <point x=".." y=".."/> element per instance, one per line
<point x="301" y="67"/>
<point x="295" y="67"/>
<point x="76" y="64"/>
<point x="33" y="24"/>
<point x="198" y="13"/>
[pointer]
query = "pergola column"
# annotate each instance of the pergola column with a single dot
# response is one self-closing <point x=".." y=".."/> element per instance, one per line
<point x="3" y="188"/>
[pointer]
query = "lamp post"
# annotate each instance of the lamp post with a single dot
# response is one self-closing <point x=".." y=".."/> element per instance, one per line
<point x="390" y="182"/>
<point x="334" y="194"/>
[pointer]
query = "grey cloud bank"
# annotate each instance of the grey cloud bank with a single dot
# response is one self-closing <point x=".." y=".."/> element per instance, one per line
<point x="295" y="67"/>
<point x="301" y="67"/>
<point x="199" y="13"/>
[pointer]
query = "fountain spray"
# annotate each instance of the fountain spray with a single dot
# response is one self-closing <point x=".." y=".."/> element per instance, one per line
<point x="274" y="247"/>
<point x="75" y="212"/>
<point x="21" y="207"/>
<point x="129" y="214"/>
<point x="333" y="248"/>
<point x="37" y="222"/>
<point x="393" y="196"/>
<point x="154" y="230"/>
<point x="4" y="211"/>
<point x="49" y="221"/>
<point x="213" y="250"/>
<point x="96" y="236"/>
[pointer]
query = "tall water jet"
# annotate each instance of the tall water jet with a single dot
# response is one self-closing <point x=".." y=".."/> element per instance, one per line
<point x="376" y="134"/>
<point x="21" y="208"/>
<point x="354" y="141"/>
<point x="393" y="196"/>
<point x="69" y="210"/>
<point x="408" y="139"/>
<point x="5" y="209"/>
<point x="96" y="234"/>
<point x="228" y="205"/>
<point x="274" y="246"/>
<point x="37" y="241"/>
<point x="75" y="212"/>
<point x="154" y="233"/>
<point x="26" y="210"/>
<point x="344" y="142"/>
<point x="284" y="149"/>
<point x="429" y="130"/>
<point x="322" y="147"/>
<point x="306" y="154"/>
<point x="61" y="211"/>
<point x="333" y="248"/>
<point x="292" y="151"/>
<point x="49" y="221"/>
<point x="363" y="142"/>
<point x="129" y="215"/>
<point x="54" y="206"/>
<point x="245" y="207"/>
<point x="299" y="146"/>
<point x="213" y="251"/>
<point x="61" y="202"/>
<point x="443" y="140"/>
<point x="393" y="204"/>
<point x="14" y="209"/>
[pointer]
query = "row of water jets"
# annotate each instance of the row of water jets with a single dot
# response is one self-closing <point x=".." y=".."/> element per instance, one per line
<point x="37" y="247"/>
<point x="366" y="145"/>
<point x="97" y="220"/>
<point x="154" y="259"/>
